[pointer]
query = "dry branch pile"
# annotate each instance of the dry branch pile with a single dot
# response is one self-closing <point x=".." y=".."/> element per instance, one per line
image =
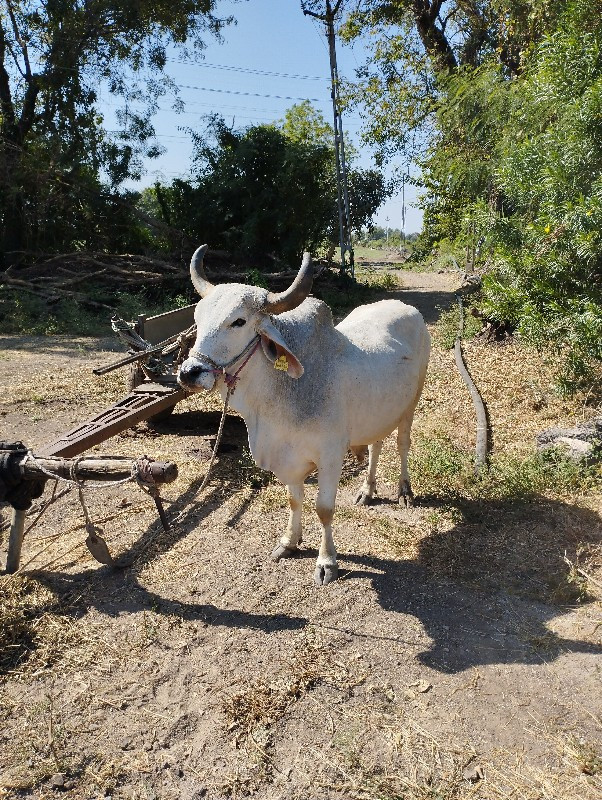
<point x="70" y="275"/>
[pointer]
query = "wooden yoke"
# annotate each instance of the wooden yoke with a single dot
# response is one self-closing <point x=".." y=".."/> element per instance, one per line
<point x="33" y="468"/>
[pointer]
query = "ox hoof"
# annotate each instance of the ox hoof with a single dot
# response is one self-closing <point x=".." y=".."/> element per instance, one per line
<point x="281" y="551"/>
<point x="325" y="573"/>
<point x="363" y="499"/>
<point x="406" y="495"/>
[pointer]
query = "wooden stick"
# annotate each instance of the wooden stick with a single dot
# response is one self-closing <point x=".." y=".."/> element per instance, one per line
<point x="15" y="541"/>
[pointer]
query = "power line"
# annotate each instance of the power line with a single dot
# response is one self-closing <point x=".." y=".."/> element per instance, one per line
<point x="186" y="102"/>
<point x="246" y="94"/>
<point x="248" y="70"/>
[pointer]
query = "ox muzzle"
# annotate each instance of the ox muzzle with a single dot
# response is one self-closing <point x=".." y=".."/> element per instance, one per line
<point x="196" y="375"/>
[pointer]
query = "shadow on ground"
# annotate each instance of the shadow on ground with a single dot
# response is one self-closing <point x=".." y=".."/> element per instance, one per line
<point x="431" y="304"/>
<point x="203" y="424"/>
<point x="476" y="589"/>
<point x="64" y="346"/>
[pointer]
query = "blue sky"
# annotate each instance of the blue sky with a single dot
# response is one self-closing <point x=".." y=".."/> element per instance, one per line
<point x="273" y="57"/>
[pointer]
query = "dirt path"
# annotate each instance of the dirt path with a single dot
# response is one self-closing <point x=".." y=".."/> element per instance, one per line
<point x="429" y="291"/>
<point x="440" y="665"/>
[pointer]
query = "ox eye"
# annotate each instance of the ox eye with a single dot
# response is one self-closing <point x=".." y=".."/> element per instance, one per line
<point x="238" y="323"/>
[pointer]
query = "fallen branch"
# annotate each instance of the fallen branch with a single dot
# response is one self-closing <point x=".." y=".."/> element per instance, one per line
<point x="582" y="572"/>
<point x="54" y="293"/>
<point x="53" y="280"/>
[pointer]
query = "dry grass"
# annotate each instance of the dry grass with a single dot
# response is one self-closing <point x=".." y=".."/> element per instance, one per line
<point x="410" y="763"/>
<point x="413" y="764"/>
<point x="252" y="714"/>
<point x="41" y="631"/>
<point x="505" y="533"/>
<point x="53" y="389"/>
<point x="517" y="385"/>
<point x="263" y="703"/>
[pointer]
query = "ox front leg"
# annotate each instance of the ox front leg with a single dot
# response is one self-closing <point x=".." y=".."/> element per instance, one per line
<point x="326" y="565"/>
<point x="368" y="490"/>
<point x="289" y="543"/>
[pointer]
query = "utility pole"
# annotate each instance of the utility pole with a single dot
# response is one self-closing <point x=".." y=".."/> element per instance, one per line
<point x="387" y="232"/>
<point x="402" y="242"/>
<point x="347" y="260"/>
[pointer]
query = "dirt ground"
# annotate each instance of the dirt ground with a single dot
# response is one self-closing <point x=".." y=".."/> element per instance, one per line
<point x="450" y="660"/>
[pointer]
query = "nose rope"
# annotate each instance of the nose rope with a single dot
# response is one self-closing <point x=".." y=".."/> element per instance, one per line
<point x="229" y="379"/>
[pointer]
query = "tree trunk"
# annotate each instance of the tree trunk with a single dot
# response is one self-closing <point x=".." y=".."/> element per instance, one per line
<point x="13" y="237"/>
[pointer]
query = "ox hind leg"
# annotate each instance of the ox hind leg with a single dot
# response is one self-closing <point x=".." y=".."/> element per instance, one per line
<point x="366" y="493"/>
<point x="405" y="496"/>
<point x="328" y="481"/>
<point x="289" y="543"/>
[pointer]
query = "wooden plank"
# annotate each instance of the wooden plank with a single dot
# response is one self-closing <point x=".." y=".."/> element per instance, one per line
<point x="160" y="327"/>
<point x="141" y="404"/>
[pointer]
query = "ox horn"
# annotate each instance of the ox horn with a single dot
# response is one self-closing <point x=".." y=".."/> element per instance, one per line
<point x="197" y="271"/>
<point x="277" y="303"/>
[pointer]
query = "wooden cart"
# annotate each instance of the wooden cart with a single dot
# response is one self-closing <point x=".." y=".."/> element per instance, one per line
<point x="161" y="342"/>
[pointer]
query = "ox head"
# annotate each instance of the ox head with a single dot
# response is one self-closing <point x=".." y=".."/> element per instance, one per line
<point x="230" y="318"/>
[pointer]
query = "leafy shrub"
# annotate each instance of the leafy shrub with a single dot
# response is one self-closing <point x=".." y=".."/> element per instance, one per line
<point x="266" y="190"/>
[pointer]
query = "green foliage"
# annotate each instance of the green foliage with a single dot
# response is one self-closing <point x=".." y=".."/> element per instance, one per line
<point x="384" y="282"/>
<point x="257" y="279"/>
<point x="22" y="313"/>
<point x="443" y="468"/>
<point x="448" y="324"/>
<point x="506" y="118"/>
<point x="343" y="294"/>
<point x="415" y="47"/>
<point x="440" y="465"/>
<point x="257" y="193"/>
<point x="266" y="191"/>
<point x="306" y="125"/>
<point x="547" y="251"/>
<point x="252" y="475"/>
<point x="512" y="477"/>
<point x="53" y="146"/>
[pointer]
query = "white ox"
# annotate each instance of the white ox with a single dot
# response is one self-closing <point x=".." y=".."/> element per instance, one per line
<point x="309" y="391"/>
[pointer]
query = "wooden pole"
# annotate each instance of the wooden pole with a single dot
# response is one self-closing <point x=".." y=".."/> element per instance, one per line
<point x="345" y="239"/>
<point x="15" y="541"/>
<point x="93" y="469"/>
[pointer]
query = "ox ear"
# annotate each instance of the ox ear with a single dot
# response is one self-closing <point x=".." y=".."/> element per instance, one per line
<point x="276" y="350"/>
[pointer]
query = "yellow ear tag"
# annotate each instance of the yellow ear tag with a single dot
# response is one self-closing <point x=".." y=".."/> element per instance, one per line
<point x="281" y="364"/>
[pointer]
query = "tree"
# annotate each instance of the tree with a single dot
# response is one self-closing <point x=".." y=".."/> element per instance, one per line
<point x="502" y="104"/>
<point x="545" y="245"/>
<point x="54" y="56"/>
<point x="304" y="124"/>
<point x="268" y="190"/>
<point x="417" y="44"/>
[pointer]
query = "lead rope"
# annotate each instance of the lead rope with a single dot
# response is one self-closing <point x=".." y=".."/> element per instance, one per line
<point x="141" y="473"/>
<point x="230" y="381"/>
<point x="94" y="541"/>
<point x="218" y="439"/>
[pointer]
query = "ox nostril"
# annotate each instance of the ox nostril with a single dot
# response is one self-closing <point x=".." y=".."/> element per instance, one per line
<point x="190" y="371"/>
